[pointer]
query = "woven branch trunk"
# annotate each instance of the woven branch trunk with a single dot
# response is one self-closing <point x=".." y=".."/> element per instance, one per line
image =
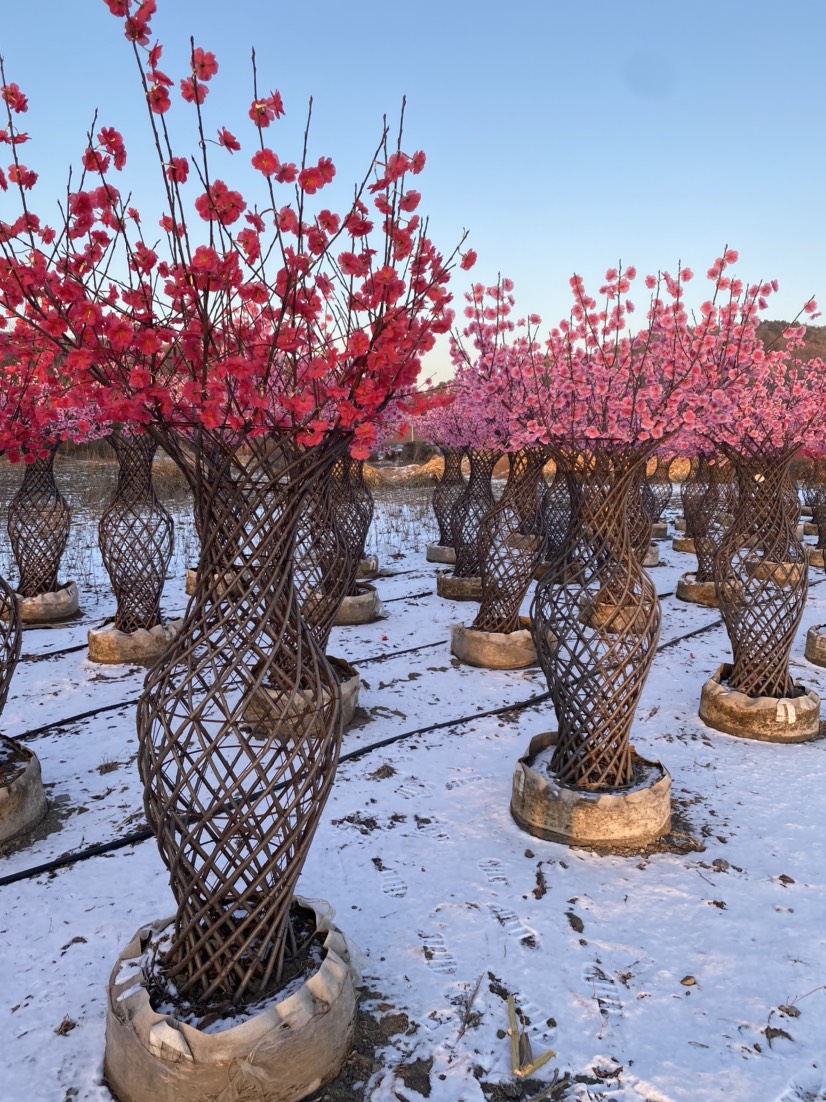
<point x="447" y="492"/>
<point x="38" y="523"/>
<point x="640" y="509"/>
<point x="11" y="636"/>
<point x="596" y="621"/>
<point x="475" y="502"/>
<point x="557" y="513"/>
<point x="655" y="492"/>
<point x="511" y="544"/>
<point x="136" y="536"/>
<point x="761" y="575"/>
<point x="706" y="506"/>
<point x="352" y="505"/>
<point x="239" y="724"/>
<point x="325" y="565"/>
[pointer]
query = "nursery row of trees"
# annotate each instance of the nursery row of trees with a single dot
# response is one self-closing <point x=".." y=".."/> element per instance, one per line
<point x="266" y="346"/>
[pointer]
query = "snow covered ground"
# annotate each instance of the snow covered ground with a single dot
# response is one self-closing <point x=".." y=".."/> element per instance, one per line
<point x="694" y="973"/>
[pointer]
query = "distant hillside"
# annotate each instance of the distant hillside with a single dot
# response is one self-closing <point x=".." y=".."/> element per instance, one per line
<point x="772" y="331"/>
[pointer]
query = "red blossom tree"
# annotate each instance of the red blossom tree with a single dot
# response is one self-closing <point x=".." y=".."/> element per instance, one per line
<point x="257" y="343"/>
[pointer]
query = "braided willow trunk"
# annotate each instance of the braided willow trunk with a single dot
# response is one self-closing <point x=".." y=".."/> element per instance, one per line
<point x="640" y="508"/>
<point x="38" y="523"/>
<point x="761" y="576"/>
<point x="469" y="511"/>
<point x="447" y="492"/>
<point x="557" y="513"/>
<point x="324" y="566"/>
<point x="511" y="544"/>
<point x="239" y="724"/>
<point x="693" y="489"/>
<point x="135" y="535"/>
<point x="707" y="510"/>
<point x="353" y="507"/>
<point x="655" y="492"/>
<point x="596" y="625"/>
<point x="816" y="492"/>
<point x="10" y="638"/>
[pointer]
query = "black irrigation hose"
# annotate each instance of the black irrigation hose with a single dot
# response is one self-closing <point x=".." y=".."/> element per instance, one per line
<point x="144" y="835"/>
<point x="138" y="836"/>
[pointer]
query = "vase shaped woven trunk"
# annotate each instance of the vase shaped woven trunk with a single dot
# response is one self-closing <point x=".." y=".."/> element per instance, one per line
<point x="135" y="536"/>
<point x="239" y="724"/>
<point x="595" y="622"/>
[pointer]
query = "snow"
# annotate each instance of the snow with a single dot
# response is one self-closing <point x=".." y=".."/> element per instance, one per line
<point x="432" y="879"/>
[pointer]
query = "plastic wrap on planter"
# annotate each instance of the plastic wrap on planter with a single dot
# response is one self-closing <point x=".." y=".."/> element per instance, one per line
<point x="108" y="645"/>
<point x="363" y="607"/>
<point x="458" y="589"/>
<point x="281" y="1054"/>
<point x="22" y="799"/>
<point x="635" y="815"/>
<point x="698" y="593"/>
<point x="493" y="650"/>
<point x="49" y="607"/>
<point x="437" y="552"/>
<point x="765" y="718"/>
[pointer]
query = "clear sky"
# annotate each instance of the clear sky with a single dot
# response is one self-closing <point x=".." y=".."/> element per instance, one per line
<point x="563" y="135"/>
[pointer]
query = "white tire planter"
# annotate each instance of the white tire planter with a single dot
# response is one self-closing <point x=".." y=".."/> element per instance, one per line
<point x="624" y="818"/>
<point x="458" y="589"/>
<point x="49" y="607"/>
<point x="659" y="530"/>
<point x="685" y="544"/>
<point x="764" y="718"/>
<point x="493" y="650"/>
<point x="810" y="528"/>
<point x="779" y="573"/>
<point x="368" y="568"/>
<point x="108" y="645"/>
<point x="363" y="607"/>
<point x="698" y="593"/>
<point x="439" y="552"/>
<point x="282" y="1054"/>
<point x="816" y="644"/>
<point x="816" y="557"/>
<point x="652" y="556"/>
<point x="22" y="799"/>
<point x="679" y="524"/>
<point x="191" y="582"/>
<point x="350" y="683"/>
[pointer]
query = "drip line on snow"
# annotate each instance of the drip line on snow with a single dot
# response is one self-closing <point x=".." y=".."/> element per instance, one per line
<point x="138" y="836"/>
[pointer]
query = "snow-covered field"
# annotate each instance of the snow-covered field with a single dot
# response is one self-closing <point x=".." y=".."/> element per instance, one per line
<point x="693" y="973"/>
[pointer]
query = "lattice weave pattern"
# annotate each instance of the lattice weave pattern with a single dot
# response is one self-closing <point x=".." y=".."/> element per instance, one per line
<point x="352" y="505"/>
<point x="511" y="544"/>
<point x="135" y="535"/>
<point x="324" y="567"/>
<point x="447" y="492"/>
<point x="596" y="621"/>
<point x="11" y="636"/>
<point x="470" y="509"/>
<point x="705" y="507"/>
<point x="38" y="523"/>
<point x="239" y="724"/>
<point x="761" y="575"/>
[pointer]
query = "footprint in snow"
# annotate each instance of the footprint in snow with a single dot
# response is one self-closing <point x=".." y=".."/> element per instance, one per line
<point x="437" y="955"/>
<point x="604" y="990"/>
<point x="514" y="927"/>
<point x="462" y="782"/>
<point x="808" y="1085"/>
<point x="413" y="788"/>
<point x="392" y="883"/>
<point x="494" y="871"/>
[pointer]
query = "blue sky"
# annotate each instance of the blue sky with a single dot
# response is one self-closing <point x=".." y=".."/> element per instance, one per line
<point x="563" y="136"/>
